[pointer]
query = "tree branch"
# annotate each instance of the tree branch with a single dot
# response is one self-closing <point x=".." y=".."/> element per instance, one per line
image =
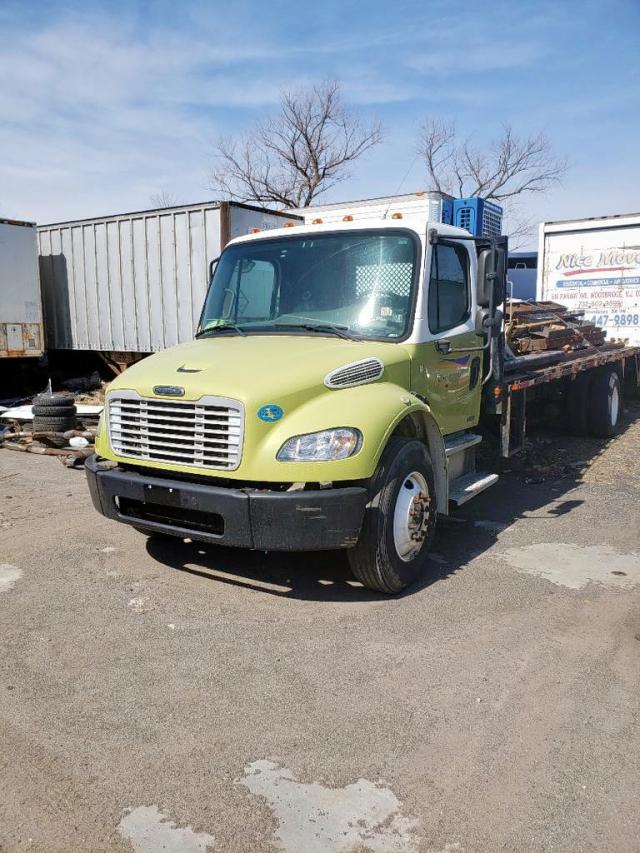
<point x="297" y="154"/>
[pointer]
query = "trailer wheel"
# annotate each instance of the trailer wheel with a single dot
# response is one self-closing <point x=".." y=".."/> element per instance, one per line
<point x="400" y="519"/>
<point x="605" y="403"/>
<point x="578" y="404"/>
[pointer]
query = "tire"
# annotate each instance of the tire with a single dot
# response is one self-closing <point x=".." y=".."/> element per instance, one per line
<point x="605" y="403"/>
<point x="577" y="403"/>
<point x="631" y="388"/>
<point x="383" y="560"/>
<point x="54" y="411"/>
<point x="54" y="424"/>
<point x="56" y="400"/>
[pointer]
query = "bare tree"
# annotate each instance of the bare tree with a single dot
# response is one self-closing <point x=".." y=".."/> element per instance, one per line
<point x="510" y="166"/>
<point x="164" y="198"/>
<point x="297" y="154"/>
<point x="508" y="170"/>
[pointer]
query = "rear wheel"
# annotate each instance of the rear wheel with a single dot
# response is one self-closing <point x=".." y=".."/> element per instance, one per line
<point x="578" y="404"/>
<point x="605" y="403"/>
<point x="400" y="520"/>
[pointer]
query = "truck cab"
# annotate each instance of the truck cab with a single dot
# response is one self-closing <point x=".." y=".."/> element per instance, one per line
<point x="329" y="398"/>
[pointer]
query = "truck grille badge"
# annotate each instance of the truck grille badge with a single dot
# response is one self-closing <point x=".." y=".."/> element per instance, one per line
<point x="168" y="390"/>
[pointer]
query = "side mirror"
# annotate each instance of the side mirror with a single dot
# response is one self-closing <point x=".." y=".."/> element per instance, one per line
<point x="488" y="325"/>
<point x="491" y="277"/>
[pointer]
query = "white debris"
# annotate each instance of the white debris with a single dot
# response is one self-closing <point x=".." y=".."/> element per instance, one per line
<point x="25" y="413"/>
<point x="78" y="441"/>
<point x="137" y="605"/>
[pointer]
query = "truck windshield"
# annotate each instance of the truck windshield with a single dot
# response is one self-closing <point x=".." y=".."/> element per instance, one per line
<point x="354" y="284"/>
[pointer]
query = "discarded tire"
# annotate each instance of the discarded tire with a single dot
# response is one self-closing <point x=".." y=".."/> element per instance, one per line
<point x="57" y="424"/>
<point x="54" y="411"/>
<point x="54" y="400"/>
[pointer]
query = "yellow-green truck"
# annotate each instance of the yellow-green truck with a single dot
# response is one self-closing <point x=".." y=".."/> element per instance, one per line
<point x="332" y="393"/>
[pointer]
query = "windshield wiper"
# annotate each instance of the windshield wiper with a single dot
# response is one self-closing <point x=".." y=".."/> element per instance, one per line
<point x="223" y="327"/>
<point x="320" y="328"/>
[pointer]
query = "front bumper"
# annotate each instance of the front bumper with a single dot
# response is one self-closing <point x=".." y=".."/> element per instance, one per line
<point x="244" y="517"/>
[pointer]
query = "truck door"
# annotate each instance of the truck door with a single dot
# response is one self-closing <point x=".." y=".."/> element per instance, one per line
<point x="448" y="365"/>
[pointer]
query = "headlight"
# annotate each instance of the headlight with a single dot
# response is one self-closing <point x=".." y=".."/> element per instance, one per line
<point x="325" y="446"/>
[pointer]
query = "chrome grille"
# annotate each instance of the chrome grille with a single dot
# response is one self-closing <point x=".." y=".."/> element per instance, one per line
<point x="356" y="373"/>
<point x="206" y="433"/>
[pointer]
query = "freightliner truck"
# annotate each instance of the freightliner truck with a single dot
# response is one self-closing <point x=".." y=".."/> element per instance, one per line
<point x="333" y="392"/>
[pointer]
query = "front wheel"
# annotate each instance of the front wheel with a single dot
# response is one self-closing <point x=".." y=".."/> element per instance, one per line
<point x="400" y="519"/>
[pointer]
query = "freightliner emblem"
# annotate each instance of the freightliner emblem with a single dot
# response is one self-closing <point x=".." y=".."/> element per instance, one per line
<point x="168" y="390"/>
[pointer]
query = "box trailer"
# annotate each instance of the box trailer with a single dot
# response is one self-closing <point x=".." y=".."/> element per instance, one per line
<point x="135" y="283"/>
<point x="594" y="265"/>
<point x="21" y="332"/>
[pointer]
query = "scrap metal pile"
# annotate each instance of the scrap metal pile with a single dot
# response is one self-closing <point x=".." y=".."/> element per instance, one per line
<point x="544" y="333"/>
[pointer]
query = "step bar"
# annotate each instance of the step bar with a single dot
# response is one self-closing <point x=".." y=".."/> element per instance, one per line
<point x="468" y="486"/>
<point x="462" y="441"/>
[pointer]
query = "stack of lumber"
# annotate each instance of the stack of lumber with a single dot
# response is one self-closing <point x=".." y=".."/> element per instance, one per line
<point x="536" y="327"/>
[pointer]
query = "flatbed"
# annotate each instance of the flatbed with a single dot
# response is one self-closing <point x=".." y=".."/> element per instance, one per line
<point x="512" y="391"/>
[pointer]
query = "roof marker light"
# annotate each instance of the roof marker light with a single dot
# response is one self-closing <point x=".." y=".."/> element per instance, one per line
<point x="288" y="225"/>
<point x="396" y="215"/>
<point x="255" y="230"/>
<point x="347" y="218"/>
<point x="316" y="221"/>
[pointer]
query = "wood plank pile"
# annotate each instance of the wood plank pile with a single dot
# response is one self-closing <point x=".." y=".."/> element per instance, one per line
<point x="536" y="327"/>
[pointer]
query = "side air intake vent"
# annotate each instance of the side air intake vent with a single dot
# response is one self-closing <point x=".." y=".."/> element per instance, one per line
<point x="356" y="373"/>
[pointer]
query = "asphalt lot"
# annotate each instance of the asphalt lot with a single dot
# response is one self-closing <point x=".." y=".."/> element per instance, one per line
<point x="173" y="697"/>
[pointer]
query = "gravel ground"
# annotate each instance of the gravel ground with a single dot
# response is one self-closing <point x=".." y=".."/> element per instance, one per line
<point x="168" y="696"/>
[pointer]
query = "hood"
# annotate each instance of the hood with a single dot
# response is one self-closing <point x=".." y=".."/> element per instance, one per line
<point x="259" y="369"/>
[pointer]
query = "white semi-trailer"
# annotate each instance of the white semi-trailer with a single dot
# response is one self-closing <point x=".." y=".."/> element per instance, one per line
<point x="135" y="282"/>
<point x="21" y="332"/>
<point x="594" y="265"/>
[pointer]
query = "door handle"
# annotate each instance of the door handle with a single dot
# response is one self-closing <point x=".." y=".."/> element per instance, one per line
<point x="443" y="347"/>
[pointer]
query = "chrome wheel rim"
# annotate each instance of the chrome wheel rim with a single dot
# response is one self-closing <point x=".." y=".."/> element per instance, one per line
<point x="411" y="516"/>
<point x="615" y="404"/>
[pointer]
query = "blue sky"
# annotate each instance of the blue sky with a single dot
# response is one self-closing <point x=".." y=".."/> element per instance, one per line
<point x="105" y="104"/>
